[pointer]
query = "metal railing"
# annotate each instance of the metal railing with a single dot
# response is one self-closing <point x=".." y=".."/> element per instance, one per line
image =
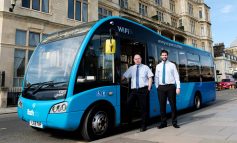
<point x="13" y="95"/>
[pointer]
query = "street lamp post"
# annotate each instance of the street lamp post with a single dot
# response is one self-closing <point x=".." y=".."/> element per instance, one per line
<point x="13" y="3"/>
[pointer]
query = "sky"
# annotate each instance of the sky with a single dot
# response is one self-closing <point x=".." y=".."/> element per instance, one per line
<point x="223" y="20"/>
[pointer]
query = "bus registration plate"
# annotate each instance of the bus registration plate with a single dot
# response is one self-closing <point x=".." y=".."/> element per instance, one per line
<point x="36" y="124"/>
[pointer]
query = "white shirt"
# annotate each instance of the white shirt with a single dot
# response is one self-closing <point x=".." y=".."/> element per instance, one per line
<point x="171" y="74"/>
<point x="144" y="74"/>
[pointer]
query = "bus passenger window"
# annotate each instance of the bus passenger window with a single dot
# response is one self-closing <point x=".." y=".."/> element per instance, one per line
<point x="193" y="67"/>
<point x="206" y="68"/>
<point x="173" y="57"/>
<point x="183" y="67"/>
<point x="153" y="56"/>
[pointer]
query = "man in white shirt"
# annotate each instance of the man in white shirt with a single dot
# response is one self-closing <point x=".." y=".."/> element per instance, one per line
<point x="141" y="81"/>
<point x="168" y="85"/>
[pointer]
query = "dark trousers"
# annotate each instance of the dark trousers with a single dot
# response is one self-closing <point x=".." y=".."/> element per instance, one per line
<point x="140" y="94"/>
<point x="164" y="92"/>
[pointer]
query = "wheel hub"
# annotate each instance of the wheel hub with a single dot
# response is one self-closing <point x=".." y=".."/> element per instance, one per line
<point x="197" y="102"/>
<point x="100" y="123"/>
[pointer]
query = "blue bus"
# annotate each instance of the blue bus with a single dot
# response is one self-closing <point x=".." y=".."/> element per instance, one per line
<point x="73" y="79"/>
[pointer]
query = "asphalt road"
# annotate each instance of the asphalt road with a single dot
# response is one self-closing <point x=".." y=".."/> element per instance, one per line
<point x="13" y="130"/>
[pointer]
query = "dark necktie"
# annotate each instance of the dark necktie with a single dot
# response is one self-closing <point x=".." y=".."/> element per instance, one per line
<point x="163" y="73"/>
<point x="137" y="77"/>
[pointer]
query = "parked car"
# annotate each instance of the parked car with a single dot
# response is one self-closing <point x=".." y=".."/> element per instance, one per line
<point x="226" y="84"/>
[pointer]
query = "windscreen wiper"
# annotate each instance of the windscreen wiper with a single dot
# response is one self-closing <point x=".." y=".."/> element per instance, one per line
<point x="24" y="92"/>
<point x="50" y="83"/>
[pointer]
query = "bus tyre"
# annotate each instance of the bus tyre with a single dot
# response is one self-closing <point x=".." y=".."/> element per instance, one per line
<point x="197" y="101"/>
<point x="97" y="123"/>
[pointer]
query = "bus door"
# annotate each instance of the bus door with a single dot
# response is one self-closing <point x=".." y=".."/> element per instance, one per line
<point x="128" y="49"/>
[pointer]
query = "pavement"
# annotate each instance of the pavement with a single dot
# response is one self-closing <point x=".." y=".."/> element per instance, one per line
<point x="215" y="123"/>
<point x="8" y="110"/>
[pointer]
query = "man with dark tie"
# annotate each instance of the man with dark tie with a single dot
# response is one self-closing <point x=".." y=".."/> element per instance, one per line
<point x="141" y="81"/>
<point x="168" y="85"/>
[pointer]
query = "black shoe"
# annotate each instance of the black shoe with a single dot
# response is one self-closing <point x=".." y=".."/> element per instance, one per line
<point x="162" y="126"/>
<point x="176" y="126"/>
<point x="142" y="129"/>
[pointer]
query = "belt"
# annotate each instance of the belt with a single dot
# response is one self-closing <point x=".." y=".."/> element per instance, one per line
<point x="167" y="85"/>
<point x="145" y="87"/>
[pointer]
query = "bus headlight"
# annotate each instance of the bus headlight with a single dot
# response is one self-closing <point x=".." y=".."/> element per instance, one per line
<point x="19" y="103"/>
<point x="59" y="108"/>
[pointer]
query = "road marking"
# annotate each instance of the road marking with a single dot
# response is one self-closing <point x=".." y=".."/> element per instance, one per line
<point x="3" y="128"/>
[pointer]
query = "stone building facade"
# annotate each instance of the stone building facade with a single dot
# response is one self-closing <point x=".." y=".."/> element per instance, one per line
<point x="185" y="21"/>
<point x="225" y="61"/>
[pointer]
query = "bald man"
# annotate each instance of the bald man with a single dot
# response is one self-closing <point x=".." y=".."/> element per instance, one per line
<point x="141" y="81"/>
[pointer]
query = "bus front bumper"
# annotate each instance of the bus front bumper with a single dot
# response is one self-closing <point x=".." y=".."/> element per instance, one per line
<point x="68" y="121"/>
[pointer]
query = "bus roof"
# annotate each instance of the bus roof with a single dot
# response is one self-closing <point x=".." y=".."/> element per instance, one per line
<point x="85" y="27"/>
<point x="69" y="32"/>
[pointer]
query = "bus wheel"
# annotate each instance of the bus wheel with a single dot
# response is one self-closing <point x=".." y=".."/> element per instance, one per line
<point x="97" y="123"/>
<point x="197" y="101"/>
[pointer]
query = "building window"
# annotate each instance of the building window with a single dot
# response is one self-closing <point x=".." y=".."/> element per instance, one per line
<point x="158" y="2"/>
<point x="102" y="12"/>
<point x="26" y="3"/>
<point x="44" y="36"/>
<point x="36" y="5"/>
<point x="34" y="39"/>
<point x="207" y="16"/>
<point x="209" y="31"/>
<point x="190" y="9"/>
<point x="202" y="31"/>
<point x="203" y="45"/>
<point x="172" y="5"/>
<point x="19" y="67"/>
<point x="200" y="13"/>
<point x="78" y="10"/>
<point x="194" y="43"/>
<point x="173" y="22"/>
<point x="39" y="5"/>
<point x="20" y="38"/>
<point x="142" y="9"/>
<point x="29" y="54"/>
<point x="123" y="3"/>
<point x="160" y="16"/>
<point x="180" y="23"/>
<point x="192" y="26"/>
<point x="85" y="11"/>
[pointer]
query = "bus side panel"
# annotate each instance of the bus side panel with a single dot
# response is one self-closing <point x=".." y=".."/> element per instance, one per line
<point x="186" y="97"/>
<point x="154" y="103"/>
<point x="81" y="101"/>
<point x="206" y="89"/>
<point x="208" y="92"/>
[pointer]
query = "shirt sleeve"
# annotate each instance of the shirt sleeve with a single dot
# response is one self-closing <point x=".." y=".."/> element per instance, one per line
<point x="149" y="72"/>
<point x="157" y="77"/>
<point x="176" y="77"/>
<point x="128" y="74"/>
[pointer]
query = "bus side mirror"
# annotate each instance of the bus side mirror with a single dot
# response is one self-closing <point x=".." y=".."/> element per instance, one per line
<point x="110" y="46"/>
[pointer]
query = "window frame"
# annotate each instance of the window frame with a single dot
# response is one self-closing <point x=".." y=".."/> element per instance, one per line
<point x="104" y="12"/>
<point x="83" y="16"/>
<point x="143" y="9"/>
<point x="25" y="32"/>
<point x="40" y="5"/>
<point x="123" y="4"/>
<point x="172" y="5"/>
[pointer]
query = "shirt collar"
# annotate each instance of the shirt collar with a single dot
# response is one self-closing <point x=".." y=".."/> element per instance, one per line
<point x="167" y="61"/>
<point x="138" y="65"/>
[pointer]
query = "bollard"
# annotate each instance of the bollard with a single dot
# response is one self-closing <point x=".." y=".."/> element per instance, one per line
<point x="3" y="79"/>
<point x="3" y="97"/>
